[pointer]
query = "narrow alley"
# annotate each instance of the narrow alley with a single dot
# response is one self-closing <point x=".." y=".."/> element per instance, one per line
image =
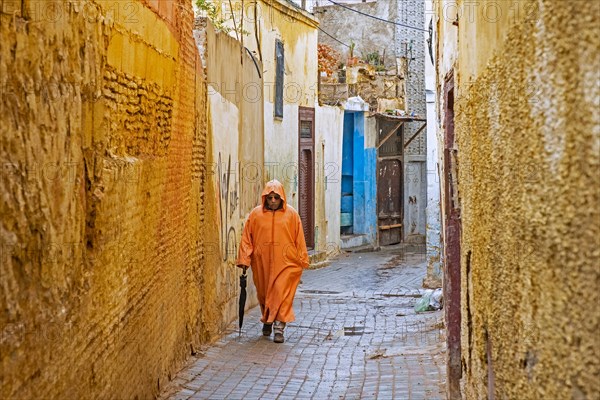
<point x="369" y="157"/>
<point x="356" y="336"/>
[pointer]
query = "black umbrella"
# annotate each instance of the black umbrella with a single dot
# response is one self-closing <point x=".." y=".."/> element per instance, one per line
<point x="242" y="298"/>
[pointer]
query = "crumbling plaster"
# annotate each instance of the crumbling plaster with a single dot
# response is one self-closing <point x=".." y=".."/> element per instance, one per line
<point x="102" y="143"/>
<point x="527" y="127"/>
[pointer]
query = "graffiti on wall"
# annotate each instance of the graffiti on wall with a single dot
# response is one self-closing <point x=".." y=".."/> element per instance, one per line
<point x="228" y="200"/>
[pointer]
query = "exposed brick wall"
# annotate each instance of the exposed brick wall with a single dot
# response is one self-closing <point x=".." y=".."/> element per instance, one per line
<point x="140" y="117"/>
<point x="102" y="143"/>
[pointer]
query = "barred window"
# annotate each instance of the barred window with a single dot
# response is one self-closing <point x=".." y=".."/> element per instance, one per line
<point x="279" y="71"/>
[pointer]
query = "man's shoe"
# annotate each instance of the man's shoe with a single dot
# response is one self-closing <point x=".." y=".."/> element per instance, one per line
<point x="267" y="329"/>
<point x="279" y="327"/>
<point x="278" y="338"/>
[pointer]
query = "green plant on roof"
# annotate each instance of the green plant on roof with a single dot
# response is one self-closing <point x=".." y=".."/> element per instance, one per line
<point x="209" y="9"/>
<point x="373" y="58"/>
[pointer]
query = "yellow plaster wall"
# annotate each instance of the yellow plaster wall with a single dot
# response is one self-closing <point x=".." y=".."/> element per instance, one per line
<point x="527" y="126"/>
<point x="236" y="135"/>
<point x="297" y="29"/>
<point x="102" y="143"/>
<point x="299" y="37"/>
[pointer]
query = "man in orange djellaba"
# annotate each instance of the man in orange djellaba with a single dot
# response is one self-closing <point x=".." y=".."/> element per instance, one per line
<point x="273" y="246"/>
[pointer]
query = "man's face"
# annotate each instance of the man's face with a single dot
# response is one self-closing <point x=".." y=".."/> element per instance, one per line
<point x="273" y="201"/>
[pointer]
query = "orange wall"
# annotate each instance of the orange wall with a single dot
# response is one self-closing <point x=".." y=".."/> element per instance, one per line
<point x="102" y="141"/>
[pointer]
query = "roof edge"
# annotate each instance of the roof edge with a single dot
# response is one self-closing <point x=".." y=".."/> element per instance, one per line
<point x="293" y="10"/>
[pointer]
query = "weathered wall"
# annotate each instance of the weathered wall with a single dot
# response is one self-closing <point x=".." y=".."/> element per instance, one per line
<point x="368" y="34"/>
<point x="266" y="21"/>
<point x="236" y="158"/>
<point x="382" y="90"/>
<point x="528" y="133"/>
<point x="446" y="53"/>
<point x="102" y="144"/>
<point x="364" y="188"/>
<point x="433" y="278"/>
<point x="359" y="186"/>
<point x="329" y="125"/>
<point x="370" y="153"/>
<point x="402" y="87"/>
<point x="410" y="43"/>
<point x="299" y="37"/>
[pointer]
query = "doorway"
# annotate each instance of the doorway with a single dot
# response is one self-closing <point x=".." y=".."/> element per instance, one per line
<point x="390" y="180"/>
<point x="306" y="173"/>
<point x="452" y="232"/>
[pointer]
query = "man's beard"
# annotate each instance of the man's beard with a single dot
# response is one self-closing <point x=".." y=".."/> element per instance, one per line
<point x="274" y="207"/>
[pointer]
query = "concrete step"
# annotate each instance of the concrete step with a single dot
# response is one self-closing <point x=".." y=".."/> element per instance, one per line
<point x="349" y="241"/>
<point x="367" y="248"/>
<point x="316" y="256"/>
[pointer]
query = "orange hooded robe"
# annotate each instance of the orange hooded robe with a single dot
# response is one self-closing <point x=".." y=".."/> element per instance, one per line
<point x="273" y="246"/>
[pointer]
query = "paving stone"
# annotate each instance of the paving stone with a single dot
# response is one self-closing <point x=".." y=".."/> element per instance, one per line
<point x="356" y="336"/>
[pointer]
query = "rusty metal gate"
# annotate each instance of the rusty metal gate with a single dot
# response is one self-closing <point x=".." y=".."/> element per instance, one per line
<point x="306" y="173"/>
<point x="390" y="180"/>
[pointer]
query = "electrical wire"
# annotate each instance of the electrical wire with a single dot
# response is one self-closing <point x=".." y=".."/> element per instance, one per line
<point x="337" y="40"/>
<point x="377" y="18"/>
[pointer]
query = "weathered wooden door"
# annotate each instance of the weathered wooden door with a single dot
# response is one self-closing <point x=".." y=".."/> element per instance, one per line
<point x="452" y="232"/>
<point x="306" y="173"/>
<point x="390" y="181"/>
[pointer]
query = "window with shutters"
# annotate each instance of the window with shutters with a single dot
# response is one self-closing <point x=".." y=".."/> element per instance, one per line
<point x="306" y="129"/>
<point x="279" y="72"/>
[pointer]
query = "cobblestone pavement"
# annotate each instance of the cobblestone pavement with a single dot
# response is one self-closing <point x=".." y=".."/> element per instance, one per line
<point x="356" y="336"/>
